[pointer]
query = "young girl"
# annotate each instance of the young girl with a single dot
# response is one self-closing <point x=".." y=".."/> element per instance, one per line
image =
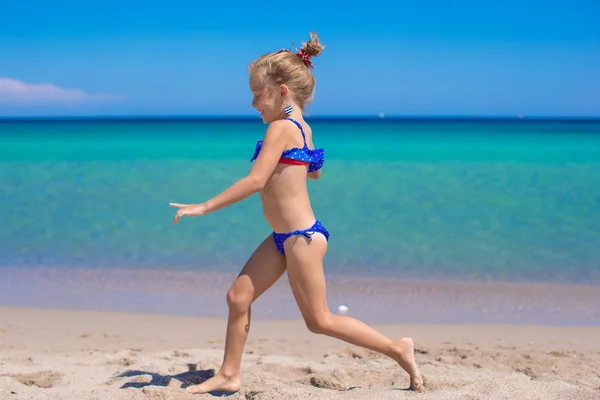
<point x="282" y="84"/>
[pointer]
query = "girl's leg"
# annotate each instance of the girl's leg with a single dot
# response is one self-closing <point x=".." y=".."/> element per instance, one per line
<point x="307" y="281"/>
<point x="262" y="270"/>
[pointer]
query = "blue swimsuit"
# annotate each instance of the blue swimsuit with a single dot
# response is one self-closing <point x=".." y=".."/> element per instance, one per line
<point x="314" y="158"/>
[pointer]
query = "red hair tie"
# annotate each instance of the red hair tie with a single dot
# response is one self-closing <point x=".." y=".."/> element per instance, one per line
<point x="305" y="56"/>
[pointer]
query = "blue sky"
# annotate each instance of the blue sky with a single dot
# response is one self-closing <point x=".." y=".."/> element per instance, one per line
<point x="417" y="58"/>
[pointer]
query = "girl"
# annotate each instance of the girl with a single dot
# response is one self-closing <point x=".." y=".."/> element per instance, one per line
<point x="282" y="85"/>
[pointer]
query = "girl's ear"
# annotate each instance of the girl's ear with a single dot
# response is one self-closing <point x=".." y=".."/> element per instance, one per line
<point x="283" y="91"/>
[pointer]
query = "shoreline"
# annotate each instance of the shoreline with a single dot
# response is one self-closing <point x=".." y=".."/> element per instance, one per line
<point x="374" y="300"/>
<point x="80" y="355"/>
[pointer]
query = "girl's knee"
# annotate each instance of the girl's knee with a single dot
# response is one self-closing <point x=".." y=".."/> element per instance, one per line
<point x="319" y="324"/>
<point x="239" y="297"/>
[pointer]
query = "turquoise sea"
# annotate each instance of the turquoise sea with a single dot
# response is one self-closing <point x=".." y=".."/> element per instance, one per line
<point x="460" y="199"/>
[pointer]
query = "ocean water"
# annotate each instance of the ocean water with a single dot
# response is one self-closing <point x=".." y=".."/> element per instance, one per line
<point x="501" y="200"/>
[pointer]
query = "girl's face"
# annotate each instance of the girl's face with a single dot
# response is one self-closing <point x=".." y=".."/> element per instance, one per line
<point x="266" y="100"/>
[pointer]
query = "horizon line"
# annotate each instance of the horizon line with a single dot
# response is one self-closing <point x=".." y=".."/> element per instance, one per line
<point x="324" y="117"/>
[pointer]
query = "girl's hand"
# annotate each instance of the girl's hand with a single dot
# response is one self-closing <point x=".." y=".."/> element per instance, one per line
<point x="188" y="210"/>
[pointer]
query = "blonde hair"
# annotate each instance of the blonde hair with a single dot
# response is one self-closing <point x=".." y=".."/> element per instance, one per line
<point x="292" y="69"/>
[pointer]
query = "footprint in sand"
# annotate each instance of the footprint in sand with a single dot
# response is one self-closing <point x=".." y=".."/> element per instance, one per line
<point x="322" y="382"/>
<point x="253" y="395"/>
<point x="42" y="379"/>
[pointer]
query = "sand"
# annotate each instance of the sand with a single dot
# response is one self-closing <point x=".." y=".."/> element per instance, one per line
<point x="78" y="355"/>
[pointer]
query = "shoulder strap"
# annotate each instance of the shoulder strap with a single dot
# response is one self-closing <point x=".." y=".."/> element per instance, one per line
<point x="299" y="126"/>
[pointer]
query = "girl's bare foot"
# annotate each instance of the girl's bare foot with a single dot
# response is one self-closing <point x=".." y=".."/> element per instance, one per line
<point x="406" y="358"/>
<point x="218" y="383"/>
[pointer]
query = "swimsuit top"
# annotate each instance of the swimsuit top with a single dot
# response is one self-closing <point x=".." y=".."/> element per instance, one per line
<point x="314" y="158"/>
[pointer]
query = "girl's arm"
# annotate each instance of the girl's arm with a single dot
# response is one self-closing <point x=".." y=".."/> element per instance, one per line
<point x="273" y="145"/>
<point x="314" y="174"/>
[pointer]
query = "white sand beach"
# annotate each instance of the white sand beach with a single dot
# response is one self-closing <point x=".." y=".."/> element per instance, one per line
<point x="79" y="355"/>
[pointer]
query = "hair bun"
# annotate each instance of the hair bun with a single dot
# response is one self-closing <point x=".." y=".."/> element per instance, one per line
<point x="313" y="47"/>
